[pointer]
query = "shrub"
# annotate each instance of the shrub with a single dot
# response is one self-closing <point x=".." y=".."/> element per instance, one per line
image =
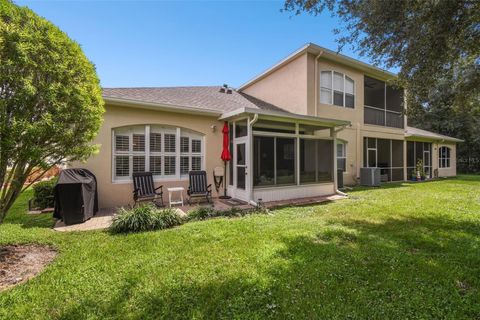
<point x="167" y="218"/>
<point x="232" y="212"/>
<point x="43" y="193"/>
<point x="144" y="218"/>
<point x="201" y="213"/>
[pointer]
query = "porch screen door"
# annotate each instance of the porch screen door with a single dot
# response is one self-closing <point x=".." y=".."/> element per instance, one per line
<point x="426" y="163"/>
<point x="241" y="165"/>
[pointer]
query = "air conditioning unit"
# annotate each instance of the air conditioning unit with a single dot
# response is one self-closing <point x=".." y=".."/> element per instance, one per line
<point x="370" y="177"/>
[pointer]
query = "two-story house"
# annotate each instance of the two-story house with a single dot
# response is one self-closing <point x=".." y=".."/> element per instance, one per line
<point x="290" y="129"/>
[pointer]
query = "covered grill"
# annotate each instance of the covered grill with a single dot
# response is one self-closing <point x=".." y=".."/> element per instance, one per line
<point x="76" y="198"/>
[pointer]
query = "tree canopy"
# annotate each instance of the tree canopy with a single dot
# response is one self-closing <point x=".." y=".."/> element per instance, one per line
<point x="51" y="103"/>
<point x="436" y="45"/>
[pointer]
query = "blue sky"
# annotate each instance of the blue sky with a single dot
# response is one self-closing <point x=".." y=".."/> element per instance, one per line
<point x="184" y="43"/>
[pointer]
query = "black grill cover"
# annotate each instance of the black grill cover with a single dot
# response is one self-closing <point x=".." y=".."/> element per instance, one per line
<point x="76" y="198"/>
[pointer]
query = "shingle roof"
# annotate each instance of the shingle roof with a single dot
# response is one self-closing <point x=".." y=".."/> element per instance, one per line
<point x="195" y="97"/>
<point x="415" y="132"/>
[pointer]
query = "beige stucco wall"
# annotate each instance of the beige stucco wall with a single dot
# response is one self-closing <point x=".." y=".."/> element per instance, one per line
<point x="354" y="134"/>
<point x="114" y="194"/>
<point x="350" y="137"/>
<point x="295" y="87"/>
<point x="286" y="87"/>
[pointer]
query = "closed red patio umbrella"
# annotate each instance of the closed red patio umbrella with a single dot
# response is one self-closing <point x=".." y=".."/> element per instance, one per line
<point x="226" y="156"/>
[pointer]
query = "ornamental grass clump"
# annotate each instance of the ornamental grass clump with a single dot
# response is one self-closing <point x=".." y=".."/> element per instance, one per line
<point x="201" y="213"/>
<point x="144" y="218"/>
<point x="167" y="218"/>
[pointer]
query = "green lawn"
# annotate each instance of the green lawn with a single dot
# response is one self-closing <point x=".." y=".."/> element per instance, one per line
<point x="402" y="251"/>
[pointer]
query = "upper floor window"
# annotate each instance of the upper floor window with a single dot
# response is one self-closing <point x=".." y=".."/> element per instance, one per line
<point x="383" y="104"/>
<point x="167" y="152"/>
<point x="337" y="88"/>
<point x="444" y="157"/>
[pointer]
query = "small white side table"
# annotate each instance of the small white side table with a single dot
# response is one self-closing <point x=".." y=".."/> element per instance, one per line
<point x="179" y="200"/>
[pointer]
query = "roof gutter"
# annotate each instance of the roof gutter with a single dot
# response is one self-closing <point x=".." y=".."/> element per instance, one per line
<point x="328" y="54"/>
<point x="284" y="115"/>
<point x="161" y="106"/>
<point x="433" y="139"/>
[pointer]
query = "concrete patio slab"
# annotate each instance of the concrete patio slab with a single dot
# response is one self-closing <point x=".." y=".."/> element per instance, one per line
<point x="103" y="219"/>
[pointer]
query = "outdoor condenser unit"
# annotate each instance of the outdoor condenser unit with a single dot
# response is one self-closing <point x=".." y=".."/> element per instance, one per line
<point x="370" y="177"/>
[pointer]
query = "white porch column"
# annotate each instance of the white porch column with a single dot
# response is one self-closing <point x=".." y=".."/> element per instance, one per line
<point x="333" y="135"/>
<point x="405" y="171"/>
<point x="297" y="154"/>
<point x="249" y="160"/>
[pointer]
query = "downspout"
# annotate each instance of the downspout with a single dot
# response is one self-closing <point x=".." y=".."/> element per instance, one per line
<point x="250" y="125"/>
<point x="335" y="131"/>
<point x="316" y="82"/>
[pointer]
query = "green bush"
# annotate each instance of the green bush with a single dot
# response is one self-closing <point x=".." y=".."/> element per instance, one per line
<point x="167" y="218"/>
<point x="201" y="213"/>
<point x="43" y="193"/>
<point x="144" y="218"/>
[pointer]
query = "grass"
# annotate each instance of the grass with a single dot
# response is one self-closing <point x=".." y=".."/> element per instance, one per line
<point x="407" y="250"/>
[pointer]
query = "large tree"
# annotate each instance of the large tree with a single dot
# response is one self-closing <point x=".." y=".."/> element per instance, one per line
<point x="435" y="43"/>
<point x="50" y="100"/>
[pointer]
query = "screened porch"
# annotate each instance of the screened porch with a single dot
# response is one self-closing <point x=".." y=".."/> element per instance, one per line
<point x="278" y="157"/>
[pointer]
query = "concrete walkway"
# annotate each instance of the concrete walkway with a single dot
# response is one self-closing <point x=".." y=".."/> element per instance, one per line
<point x="102" y="220"/>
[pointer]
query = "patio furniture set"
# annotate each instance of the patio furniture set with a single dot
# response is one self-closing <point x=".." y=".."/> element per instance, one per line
<point x="144" y="189"/>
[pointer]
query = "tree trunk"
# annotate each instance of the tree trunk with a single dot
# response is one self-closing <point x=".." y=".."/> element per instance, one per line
<point x="7" y="202"/>
<point x="12" y="188"/>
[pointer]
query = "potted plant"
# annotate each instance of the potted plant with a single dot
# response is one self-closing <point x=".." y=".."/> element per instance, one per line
<point x="420" y="172"/>
<point x="413" y="177"/>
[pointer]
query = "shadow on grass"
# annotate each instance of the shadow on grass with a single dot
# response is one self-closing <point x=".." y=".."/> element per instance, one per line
<point x="409" y="268"/>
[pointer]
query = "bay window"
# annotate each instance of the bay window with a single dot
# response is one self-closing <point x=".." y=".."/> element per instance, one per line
<point x="170" y="152"/>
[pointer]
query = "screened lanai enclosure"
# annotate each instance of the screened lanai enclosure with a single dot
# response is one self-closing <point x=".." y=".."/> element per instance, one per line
<point x="385" y="154"/>
<point x="417" y="151"/>
<point x="274" y="159"/>
<point x="383" y="104"/>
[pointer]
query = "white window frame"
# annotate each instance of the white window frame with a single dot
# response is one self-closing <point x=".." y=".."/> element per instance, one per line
<point x="442" y="160"/>
<point x="161" y="129"/>
<point x="332" y="89"/>
<point x="190" y="154"/>
<point x="367" y="165"/>
<point x="344" y="153"/>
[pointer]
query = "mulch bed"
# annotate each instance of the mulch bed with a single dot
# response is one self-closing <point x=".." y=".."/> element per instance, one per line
<point x="18" y="263"/>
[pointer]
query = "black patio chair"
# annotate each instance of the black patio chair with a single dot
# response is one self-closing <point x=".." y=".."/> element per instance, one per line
<point x="144" y="189"/>
<point x="198" y="187"/>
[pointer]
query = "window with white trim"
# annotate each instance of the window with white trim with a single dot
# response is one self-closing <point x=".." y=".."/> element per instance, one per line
<point x="341" y="156"/>
<point x="337" y="88"/>
<point x="444" y="157"/>
<point x="167" y="152"/>
<point x="190" y="153"/>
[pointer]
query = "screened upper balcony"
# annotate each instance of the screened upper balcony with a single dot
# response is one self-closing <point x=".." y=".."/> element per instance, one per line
<point x="383" y="104"/>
